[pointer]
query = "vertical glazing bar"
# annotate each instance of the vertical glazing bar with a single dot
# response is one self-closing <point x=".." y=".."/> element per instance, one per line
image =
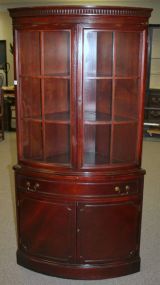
<point x="42" y="92"/>
<point x="113" y="96"/>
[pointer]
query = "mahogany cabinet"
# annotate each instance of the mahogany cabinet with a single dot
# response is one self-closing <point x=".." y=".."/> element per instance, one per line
<point x="80" y="81"/>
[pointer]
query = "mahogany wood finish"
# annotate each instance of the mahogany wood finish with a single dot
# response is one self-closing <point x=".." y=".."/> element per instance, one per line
<point x="79" y="184"/>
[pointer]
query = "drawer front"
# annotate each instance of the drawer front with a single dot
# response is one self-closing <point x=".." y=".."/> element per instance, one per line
<point x="32" y="184"/>
<point x="77" y="189"/>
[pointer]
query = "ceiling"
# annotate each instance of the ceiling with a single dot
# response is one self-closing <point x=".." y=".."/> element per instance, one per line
<point x="19" y="3"/>
<point x="5" y="4"/>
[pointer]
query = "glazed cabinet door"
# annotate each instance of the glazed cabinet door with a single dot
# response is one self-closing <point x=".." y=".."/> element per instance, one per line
<point x="111" y="94"/>
<point x="46" y="228"/>
<point x="45" y="75"/>
<point x="108" y="231"/>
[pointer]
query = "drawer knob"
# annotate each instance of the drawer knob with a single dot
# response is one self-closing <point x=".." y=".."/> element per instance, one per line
<point x="127" y="188"/>
<point x="117" y="189"/>
<point x="28" y="184"/>
<point x="36" y="186"/>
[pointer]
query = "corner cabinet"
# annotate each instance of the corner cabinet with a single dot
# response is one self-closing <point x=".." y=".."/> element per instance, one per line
<point x="80" y="75"/>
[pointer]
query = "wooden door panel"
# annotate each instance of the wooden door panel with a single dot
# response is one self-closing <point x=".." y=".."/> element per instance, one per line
<point x="107" y="231"/>
<point x="46" y="228"/>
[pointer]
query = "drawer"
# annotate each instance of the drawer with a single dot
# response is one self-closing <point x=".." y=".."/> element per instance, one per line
<point x="33" y="184"/>
<point x="110" y="189"/>
<point x="78" y="189"/>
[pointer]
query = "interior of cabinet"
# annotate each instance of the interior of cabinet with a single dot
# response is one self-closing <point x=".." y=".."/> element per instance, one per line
<point x="45" y="88"/>
<point x="111" y="82"/>
<point x="110" y="95"/>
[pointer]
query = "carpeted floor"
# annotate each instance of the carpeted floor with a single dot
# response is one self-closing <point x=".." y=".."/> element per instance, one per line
<point x="13" y="274"/>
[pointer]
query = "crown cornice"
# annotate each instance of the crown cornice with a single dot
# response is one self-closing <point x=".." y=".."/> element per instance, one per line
<point x="79" y="10"/>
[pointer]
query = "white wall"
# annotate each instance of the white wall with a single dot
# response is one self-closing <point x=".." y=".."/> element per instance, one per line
<point x="6" y="23"/>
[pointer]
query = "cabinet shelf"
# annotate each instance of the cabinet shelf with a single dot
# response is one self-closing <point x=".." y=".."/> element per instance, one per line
<point x="110" y="77"/>
<point x="61" y="76"/>
<point x="99" y="118"/>
<point x="62" y="158"/>
<point x="92" y="158"/>
<point x="58" y="118"/>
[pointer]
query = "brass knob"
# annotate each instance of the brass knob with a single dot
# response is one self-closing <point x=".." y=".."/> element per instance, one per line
<point x="117" y="189"/>
<point x="36" y="186"/>
<point x="28" y="184"/>
<point x="127" y="188"/>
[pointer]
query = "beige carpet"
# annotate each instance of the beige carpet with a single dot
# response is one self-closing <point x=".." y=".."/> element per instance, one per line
<point x="13" y="274"/>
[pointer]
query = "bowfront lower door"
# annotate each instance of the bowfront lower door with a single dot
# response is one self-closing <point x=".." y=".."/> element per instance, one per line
<point x="46" y="81"/>
<point x="110" y="96"/>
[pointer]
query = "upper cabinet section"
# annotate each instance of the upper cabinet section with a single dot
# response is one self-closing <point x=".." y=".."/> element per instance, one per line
<point x="81" y="78"/>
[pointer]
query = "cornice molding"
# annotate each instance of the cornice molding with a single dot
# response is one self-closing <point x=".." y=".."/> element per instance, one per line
<point x="77" y="10"/>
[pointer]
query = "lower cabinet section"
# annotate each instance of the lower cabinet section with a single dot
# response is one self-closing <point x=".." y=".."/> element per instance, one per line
<point x="82" y="238"/>
<point x="46" y="228"/>
<point x="108" y="231"/>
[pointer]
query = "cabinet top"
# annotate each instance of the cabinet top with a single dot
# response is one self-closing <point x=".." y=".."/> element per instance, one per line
<point x="80" y="10"/>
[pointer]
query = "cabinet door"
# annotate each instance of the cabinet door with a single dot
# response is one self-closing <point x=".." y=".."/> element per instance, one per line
<point x="108" y="231"/>
<point x="46" y="81"/>
<point x="46" y="228"/>
<point x="111" y="91"/>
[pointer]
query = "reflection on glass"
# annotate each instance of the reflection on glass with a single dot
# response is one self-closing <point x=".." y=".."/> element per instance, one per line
<point x="98" y="52"/>
<point x="125" y="143"/>
<point x="126" y="99"/>
<point x="57" y="99"/>
<point x="97" y="100"/>
<point x="96" y="144"/>
<point x="29" y="52"/>
<point x="32" y="140"/>
<point x="127" y="53"/>
<point x="31" y="98"/>
<point x="57" y="53"/>
<point x="57" y="141"/>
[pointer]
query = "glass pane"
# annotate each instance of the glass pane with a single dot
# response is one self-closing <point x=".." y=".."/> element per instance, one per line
<point x="29" y="42"/>
<point x="31" y="98"/>
<point x="57" y="53"/>
<point x="96" y="144"/>
<point x="124" y="143"/>
<point x="126" y="99"/>
<point x="97" y="100"/>
<point x="98" y="51"/>
<point x="57" y="99"/>
<point x="57" y="142"/>
<point x="32" y="140"/>
<point x="127" y="53"/>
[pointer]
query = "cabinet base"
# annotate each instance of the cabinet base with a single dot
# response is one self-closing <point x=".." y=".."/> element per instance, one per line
<point x="75" y="271"/>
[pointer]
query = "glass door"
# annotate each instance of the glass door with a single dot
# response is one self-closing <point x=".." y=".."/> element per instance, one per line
<point x="46" y="92"/>
<point x="111" y="94"/>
